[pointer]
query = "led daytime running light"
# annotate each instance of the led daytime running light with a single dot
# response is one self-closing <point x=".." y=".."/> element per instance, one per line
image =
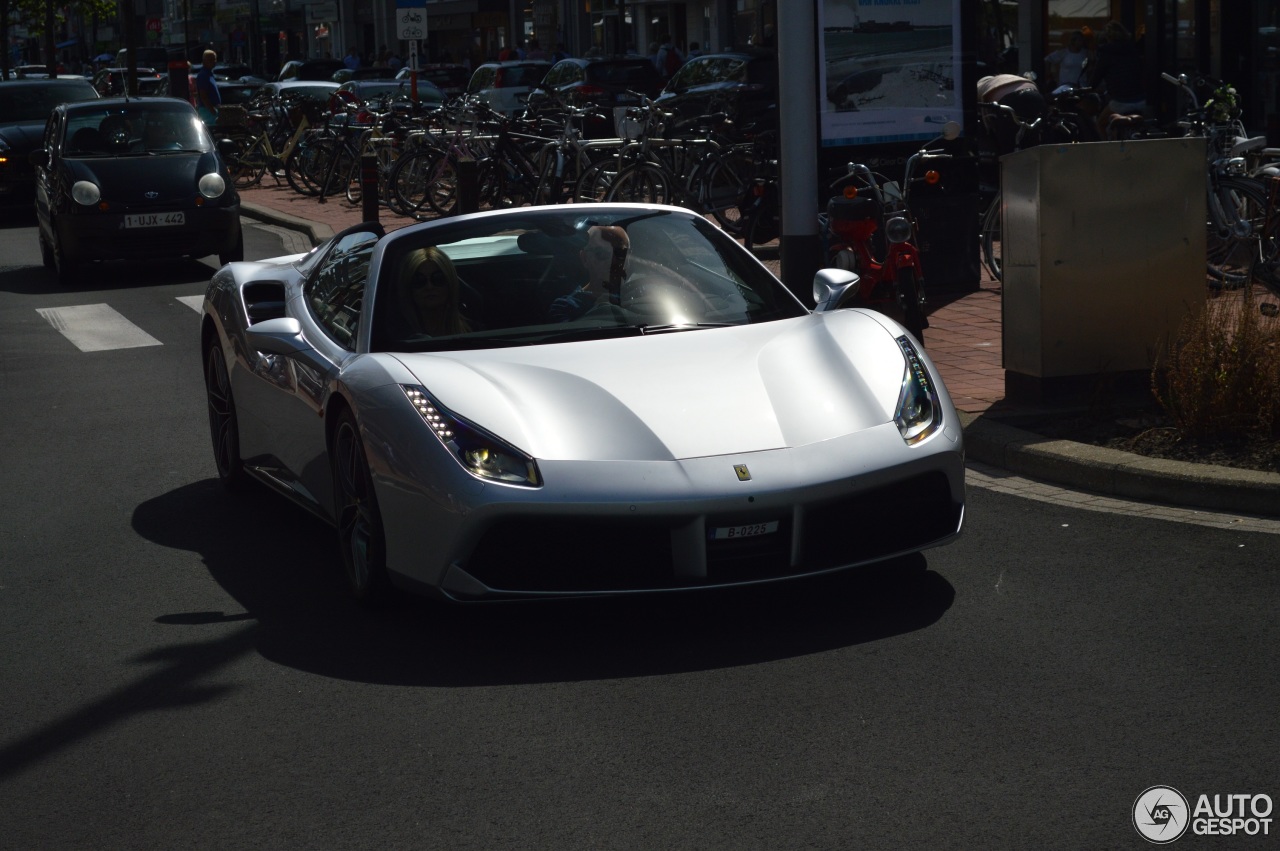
<point x="919" y="412"/>
<point x="480" y="453"/>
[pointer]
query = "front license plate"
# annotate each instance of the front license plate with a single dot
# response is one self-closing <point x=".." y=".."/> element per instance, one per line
<point x="750" y="530"/>
<point x="155" y="220"/>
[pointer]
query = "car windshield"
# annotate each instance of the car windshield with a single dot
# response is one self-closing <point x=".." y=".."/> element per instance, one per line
<point x="138" y="129"/>
<point x="534" y="277"/>
<point x="28" y="104"/>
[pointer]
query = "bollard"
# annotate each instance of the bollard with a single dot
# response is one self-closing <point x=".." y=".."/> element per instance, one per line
<point x="468" y="187"/>
<point x="369" y="186"/>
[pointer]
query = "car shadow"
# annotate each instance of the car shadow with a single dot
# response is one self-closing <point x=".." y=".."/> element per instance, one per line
<point x="105" y="277"/>
<point x="279" y="563"/>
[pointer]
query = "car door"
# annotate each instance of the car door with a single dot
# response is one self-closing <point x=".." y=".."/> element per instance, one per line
<point x="44" y="173"/>
<point x="285" y="395"/>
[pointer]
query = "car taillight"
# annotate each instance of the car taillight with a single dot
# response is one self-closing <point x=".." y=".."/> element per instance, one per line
<point x="587" y="90"/>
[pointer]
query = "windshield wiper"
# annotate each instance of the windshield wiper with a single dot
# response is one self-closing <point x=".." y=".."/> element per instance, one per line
<point x="683" y="326"/>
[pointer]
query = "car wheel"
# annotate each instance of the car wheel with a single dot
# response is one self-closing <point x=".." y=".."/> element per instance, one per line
<point x="236" y="253"/>
<point x="65" y="262"/>
<point x="360" y="536"/>
<point x="223" y="427"/>
<point x="46" y="250"/>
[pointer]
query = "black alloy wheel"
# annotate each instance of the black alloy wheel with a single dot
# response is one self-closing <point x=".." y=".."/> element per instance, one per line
<point x="223" y="428"/>
<point x="360" y="536"/>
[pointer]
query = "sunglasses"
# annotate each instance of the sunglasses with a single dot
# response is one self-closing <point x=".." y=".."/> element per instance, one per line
<point x="437" y="278"/>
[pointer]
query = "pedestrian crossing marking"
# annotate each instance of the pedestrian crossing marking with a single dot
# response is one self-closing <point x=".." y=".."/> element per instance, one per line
<point x="96" y="327"/>
<point x="195" y="302"/>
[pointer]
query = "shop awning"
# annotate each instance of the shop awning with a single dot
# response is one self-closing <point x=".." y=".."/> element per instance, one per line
<point x="71" y="42"/>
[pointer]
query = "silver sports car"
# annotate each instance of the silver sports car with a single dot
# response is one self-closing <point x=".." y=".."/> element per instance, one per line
<point x="573" y="400"/>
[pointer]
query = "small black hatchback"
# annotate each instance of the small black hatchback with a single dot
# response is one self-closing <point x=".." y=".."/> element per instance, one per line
<point x="743" y="85"/>
<point x="601" y="81"/>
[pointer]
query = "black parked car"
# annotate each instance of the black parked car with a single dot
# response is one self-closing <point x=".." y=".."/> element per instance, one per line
<point x="126" y="179"/>
<point x="606" y="82"/>
<point x="25" y="106"/>
<point x="743" y="85"/>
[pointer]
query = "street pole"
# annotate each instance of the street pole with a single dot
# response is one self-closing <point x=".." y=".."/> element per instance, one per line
<point x="799" y="245"/>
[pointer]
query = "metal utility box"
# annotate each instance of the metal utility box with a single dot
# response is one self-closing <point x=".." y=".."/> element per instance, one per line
<point x="1103" y="254"/>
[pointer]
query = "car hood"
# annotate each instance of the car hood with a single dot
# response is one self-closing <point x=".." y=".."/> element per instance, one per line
<point x="22" y="137"/>
<point x="129" y="179"/>
<point x="681" y="395"/>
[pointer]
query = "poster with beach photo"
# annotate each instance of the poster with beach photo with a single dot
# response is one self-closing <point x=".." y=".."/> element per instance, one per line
<point x="888" y="70"/>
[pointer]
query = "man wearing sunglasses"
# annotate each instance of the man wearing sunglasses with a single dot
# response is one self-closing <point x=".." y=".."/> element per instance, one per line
<point x="604" y="258"/>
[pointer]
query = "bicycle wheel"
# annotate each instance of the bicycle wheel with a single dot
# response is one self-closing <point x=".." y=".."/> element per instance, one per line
<point x="249" y="162"/>
<point x="722" y="184"/>
<point x="596" y="180"/>
<point x="303" y="166"/>
<point x="1235" y="242"/>
<point x="642" y="184"/>
<point x="410" y="178"/>
<point x="991" y="247"/>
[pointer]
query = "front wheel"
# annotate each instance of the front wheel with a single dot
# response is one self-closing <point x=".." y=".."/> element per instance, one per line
<point x="361" y="542"/>
<point x="223" y="426"/>
<point x="235" y="254"/>
<point x="911" y="302"/>
<point x="991" y="238"/>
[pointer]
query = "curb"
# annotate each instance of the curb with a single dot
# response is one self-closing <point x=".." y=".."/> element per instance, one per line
<point x="1120" y="474"/>
<point x="317" y="232"/>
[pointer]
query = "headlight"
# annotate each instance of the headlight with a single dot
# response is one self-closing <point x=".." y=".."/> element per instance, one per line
<point x="481" y="454"/>
<point x="919" y="411"/>
<point x="86" y="192"/>
<point x="212" y="185"/>
<point x="897" y="229"/>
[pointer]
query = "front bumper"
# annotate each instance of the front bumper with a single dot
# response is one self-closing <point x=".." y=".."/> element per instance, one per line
<point x="628" y="527"/>
<point x="97" y="235"/>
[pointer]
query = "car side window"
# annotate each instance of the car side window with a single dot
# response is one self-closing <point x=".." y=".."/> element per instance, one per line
<point x="482" y="79"/>
<point x="335" y="291"/>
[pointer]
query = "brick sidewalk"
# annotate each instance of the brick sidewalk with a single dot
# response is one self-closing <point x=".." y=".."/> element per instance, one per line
<point x="963" y="338"/>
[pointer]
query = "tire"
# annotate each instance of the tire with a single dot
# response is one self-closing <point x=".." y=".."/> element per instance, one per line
<point x="235" y="254"/>
<point x="224" y="428"/>
<point x="909" y="301"/>
<point x="46" y="250"/>
<point x="409" y="180"/>
<point x="761" y="224"/>
<point x="990" y="236"/>
<point x="594" y="183"/>
<point x="66" y="264"/>
<point x="642" y="184"/>
<point x="302" y="166"/>
<point x="1234" y="244"/>
<point x="723" y="185"/>
<point x="361" y="541"/>
<point x="249" y="164"/>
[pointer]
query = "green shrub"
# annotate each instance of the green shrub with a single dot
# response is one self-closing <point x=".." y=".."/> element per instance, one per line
<point x="1220" y="378"/>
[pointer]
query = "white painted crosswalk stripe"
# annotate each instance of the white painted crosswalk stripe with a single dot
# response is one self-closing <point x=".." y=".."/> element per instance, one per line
<point x="96" y="327"/>
<point x="195" y="302"/>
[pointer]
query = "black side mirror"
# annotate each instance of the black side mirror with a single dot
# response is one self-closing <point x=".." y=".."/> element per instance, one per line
<point x="39" y="158"/>
<point x="228" y="148"/>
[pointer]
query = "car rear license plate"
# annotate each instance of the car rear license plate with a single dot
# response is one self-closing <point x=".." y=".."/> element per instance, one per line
<point x="155" y="220"/>
<point x="749" y="530"/>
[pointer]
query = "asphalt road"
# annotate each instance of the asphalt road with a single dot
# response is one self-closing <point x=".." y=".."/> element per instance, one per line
<point x="180" y="670"/>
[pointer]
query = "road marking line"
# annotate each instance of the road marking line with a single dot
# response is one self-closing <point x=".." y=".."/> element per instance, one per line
<point x="195" y="302"/>
<point x="96" y="328"/>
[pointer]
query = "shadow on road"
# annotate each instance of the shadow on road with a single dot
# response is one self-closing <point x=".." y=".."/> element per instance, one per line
<point x="280" y="564"/>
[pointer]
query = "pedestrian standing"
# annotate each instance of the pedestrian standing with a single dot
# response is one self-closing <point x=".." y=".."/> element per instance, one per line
<point x="208" y="98"/>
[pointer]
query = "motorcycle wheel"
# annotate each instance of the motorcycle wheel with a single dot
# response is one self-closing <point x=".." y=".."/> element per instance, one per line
<point x="913" y="318"/>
